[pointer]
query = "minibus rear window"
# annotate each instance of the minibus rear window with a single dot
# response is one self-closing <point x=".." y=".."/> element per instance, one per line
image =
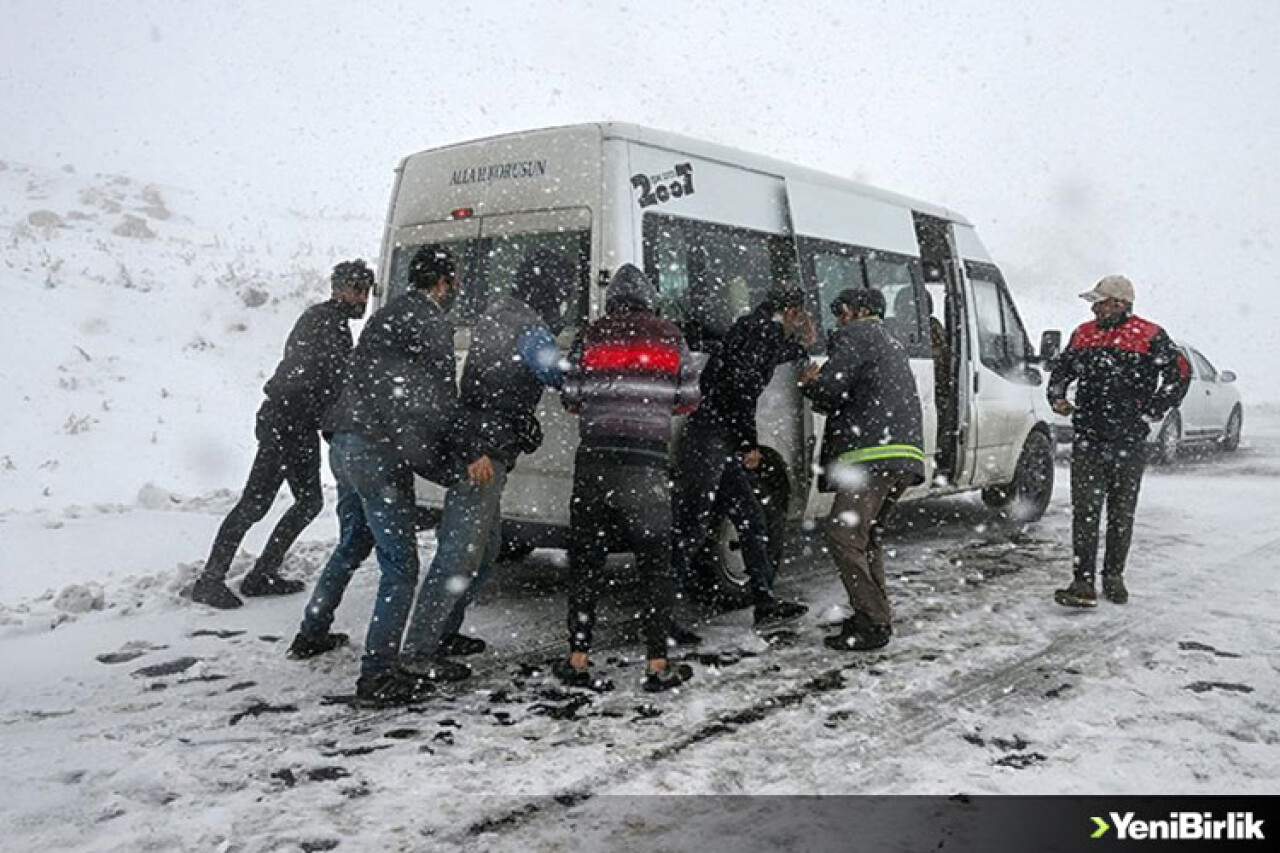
<point x="487" y="268"/>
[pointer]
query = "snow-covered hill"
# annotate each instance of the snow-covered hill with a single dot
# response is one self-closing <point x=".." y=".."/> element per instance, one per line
<point x="141" y="323"/>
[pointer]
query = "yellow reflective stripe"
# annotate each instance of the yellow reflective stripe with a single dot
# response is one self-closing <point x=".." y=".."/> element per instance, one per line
<point x="883" y="451"/>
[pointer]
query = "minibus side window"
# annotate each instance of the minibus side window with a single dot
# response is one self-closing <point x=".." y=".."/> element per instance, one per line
<point x="1002" y="340"/>
<point x="707" y="275"/>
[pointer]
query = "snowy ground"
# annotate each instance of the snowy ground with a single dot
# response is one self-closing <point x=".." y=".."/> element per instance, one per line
<point x="131" y="719"/>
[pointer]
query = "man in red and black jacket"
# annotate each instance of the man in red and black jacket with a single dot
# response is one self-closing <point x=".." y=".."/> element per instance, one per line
<point x="629" y="375"/>
<point x="1128" y="374"/>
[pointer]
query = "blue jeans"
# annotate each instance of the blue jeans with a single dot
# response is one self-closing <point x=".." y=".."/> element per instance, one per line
<point x="375" y="510"/>
<point x="467" y="544"/>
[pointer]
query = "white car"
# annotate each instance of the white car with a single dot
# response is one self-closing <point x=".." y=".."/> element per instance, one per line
<point x="1210" y="413"/>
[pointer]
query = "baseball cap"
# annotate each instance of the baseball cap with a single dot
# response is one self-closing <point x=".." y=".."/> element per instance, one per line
<point x="1110" y="287"/>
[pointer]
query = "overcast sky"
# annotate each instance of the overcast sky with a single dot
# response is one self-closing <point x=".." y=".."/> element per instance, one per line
<point x="1082" y="138"/>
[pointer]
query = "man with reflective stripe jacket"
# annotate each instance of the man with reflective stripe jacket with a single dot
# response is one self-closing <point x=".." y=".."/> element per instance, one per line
<point x="872" y="452"/>
<point x="1128" y="374"/>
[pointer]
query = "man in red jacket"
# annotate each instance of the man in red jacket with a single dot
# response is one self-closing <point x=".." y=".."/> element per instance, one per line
<point x="629" y="374"/>
<point x="1128" y="374"/>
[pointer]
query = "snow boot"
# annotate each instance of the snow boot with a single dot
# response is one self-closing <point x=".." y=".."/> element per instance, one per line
<point x="390" y="689"/>
<point x="259" y="583"/>
<point x="460" y="645"/>
<point x="776" y="613"/>
<point x="435" y="668"/>
<point x="1080" y="593"/>
<point x="1114" y="590"/>
<point x="683" y="635"/>
<point x="214" y="592"/>
<point x="660" y="681"/>
<point x="857" y="635"/>
<point x="571" y="676"/>
<point x="304" y="647"/>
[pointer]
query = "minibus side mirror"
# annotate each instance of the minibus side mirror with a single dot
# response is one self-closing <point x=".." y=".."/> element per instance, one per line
<point x="1227" y="376"/>
<point x="1050" y="345"/>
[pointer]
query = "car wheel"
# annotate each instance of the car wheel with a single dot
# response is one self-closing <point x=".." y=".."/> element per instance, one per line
<point x="1027" y="497"/>
<point x="720" y="574"/>
<point x="1231" y="437"/>
<point x="1169" y="440"/>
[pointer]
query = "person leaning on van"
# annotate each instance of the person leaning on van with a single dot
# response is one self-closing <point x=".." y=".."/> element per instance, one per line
<point x="389" y="424"/>
<point x="629" y="375"/>
<point x="1129" y="374"/>
<point x="305" y="384"/>
<point x="513" y="357"/>
<point x="872" y="452"/>
<point x="719" y="446"/>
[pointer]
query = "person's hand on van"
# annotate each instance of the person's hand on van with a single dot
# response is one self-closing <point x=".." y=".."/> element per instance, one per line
<point x="751" y="459"/>
<point x="480" y="472"/>
<point x="1063" y="406"/>
<point x="809" y="372"/>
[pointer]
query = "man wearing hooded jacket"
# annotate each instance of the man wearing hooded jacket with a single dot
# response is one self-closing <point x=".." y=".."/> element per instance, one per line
<point x="629" y="375"/>
<point x="1128" y="374"/>
<point x="513" y="356"/>
<point x="298" y="394"/>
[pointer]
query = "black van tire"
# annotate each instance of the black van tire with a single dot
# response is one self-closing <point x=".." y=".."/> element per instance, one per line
<point x="719" y="578"/>
<point x="1231" y="435"/>
<point x="1027" y="497"/>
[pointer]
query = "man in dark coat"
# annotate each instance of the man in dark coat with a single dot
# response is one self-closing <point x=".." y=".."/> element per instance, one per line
<point x="719" y="447"/>
<point x="629" y="375"/>
<point x="305" y="384"/>
<point x="390" y="423"/>
<point x="513" y="356"/>
<point x="1129" y="374"/>
<point x="872" y="452"/>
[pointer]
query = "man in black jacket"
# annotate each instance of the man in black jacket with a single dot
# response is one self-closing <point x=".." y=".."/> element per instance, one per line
<point x="389" y="424"/>
<point x="872" y="452"/>
<point x="1128" y="374"/>
<point x="719" y="447"/>
<point x="513" y="356"/>
<point x="305" y="384"/>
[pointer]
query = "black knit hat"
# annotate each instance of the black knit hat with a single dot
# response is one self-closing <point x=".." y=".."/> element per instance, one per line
<point x="429" y="264"/>
<point x="355" y="274"/>
<point x="859" y="297"/>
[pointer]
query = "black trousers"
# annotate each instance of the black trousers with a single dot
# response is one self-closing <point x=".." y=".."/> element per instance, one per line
<point x="631" y="503"/>
<point x="709" y="475"/>
<point x="285" y="454"/>
<point x="1104" y="473"/>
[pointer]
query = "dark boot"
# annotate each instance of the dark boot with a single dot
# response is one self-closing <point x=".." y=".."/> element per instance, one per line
<point x="390" y="689"/>
<point x="258" y="583"/>
<point x="214" y="592"/>
<point x="660" y="681"/>
<point x="436" y="668"/>
<point x="304" y="647"/>
<point x="777" y="613"/>
<point x="461" y="645"/>
<point x="858" y="635"/>
<point x="1080" y="593"/>
<point x="1114" y="590"/>
<point x="571" y="676"/>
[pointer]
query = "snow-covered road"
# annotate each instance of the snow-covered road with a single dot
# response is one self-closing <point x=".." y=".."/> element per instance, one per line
<point x="988" y="687"/>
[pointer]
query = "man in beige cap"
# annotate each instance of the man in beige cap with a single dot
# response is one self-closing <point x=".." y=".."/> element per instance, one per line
<point x="1128" y="374"/>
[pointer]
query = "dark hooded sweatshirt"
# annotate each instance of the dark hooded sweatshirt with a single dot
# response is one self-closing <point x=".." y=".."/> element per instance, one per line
<point x="629" y="374"/>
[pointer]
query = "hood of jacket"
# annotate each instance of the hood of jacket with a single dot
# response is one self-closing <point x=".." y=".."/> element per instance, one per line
<point x="630" y="287"/>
